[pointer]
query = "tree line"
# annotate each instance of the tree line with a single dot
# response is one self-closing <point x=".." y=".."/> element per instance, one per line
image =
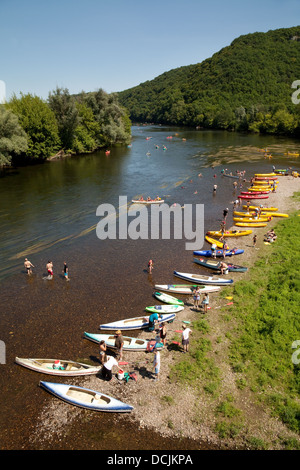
<point x="33" y="129"/>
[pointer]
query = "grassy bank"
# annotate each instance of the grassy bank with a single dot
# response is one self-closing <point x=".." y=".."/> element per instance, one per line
<point x="251" y="341"/>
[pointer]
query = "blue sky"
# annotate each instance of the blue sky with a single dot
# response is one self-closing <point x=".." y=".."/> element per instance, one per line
<point x="118" y="44"/>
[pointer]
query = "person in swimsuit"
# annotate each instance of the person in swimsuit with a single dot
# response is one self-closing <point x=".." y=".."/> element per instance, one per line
<point x="163" y="333"/>
<point x="49" y="267"/>
<point x="66" y="271"/>
<point x="28" y="265"/>
<point x="197" y="297"/>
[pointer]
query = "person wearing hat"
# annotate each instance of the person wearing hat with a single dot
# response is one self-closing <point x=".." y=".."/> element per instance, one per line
<point x="119" y="343"/>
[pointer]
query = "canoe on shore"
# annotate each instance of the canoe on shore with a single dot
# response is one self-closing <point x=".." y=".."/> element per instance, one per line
<point x="164" y="308"/>
<point x="185" y="288"/>
<point x="212" y="241"/>
<point x="265" y="209"/>
<point x="199" y="279"/>
<point x="135" y="323"/>
<point x="215" y="264"/>
<point x="57" y="367"/>
<point x="219" y="253"/>
<point x="86" y="398"/>
<point x="168" y="299"/>
<point x="130" y="344"/>
<point x="262" y="214"/>
<point x="250" y="224"/>
<point x="264" y="175"/>
<point x="229" y="233"/>
<point x="252" y="219"/>
<point x="253" y="196"/>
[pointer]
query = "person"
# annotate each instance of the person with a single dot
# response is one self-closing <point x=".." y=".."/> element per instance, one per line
<point x="102" y="350"/>
<point x="225" y="213"/>
<point x="215" y="188"/>
<point x="213" y="250"/>
<point x="163" y="333"/>
<point x="223" y="267"/>
<point x="150" y="266"/>
<point x="108" y="363"/>
<point x="225" y="248"/>
<point x="66" y="271"/>
<point x="156" y="363"/>
<point x="185" y="338"/>
<point x="254" y="240"/>
<point x="28" y="265"/>
<point x="49" y="267"/>
<point x="153" y="318"/>
<point x="119" y="343"/>
<point x="197" y="297"/>
<point x="205" y="302"/>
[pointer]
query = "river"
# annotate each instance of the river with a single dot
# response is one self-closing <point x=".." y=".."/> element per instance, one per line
<point x="48" y="212"/>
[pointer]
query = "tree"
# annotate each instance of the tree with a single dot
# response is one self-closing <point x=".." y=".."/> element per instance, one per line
<point x="64" y="107"/>
<point x="13" y="139"/>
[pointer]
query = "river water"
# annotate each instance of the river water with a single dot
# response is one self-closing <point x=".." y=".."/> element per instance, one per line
<point x="48" y="212"/>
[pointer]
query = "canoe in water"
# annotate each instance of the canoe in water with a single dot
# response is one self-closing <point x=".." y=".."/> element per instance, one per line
<point x="63" y="367"/>
<point x="85" y="398"/>
<point x="130" y="344"/>
<point x="168" y="299"/>
<point x="215" y="264"/>
<point x="199" y="279"/>
<point x="153" y="201"/>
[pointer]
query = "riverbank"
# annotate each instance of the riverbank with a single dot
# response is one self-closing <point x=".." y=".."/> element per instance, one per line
<point x="184" y="409"/>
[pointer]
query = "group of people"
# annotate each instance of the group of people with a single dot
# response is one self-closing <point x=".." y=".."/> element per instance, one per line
<point x="49" y="266"/>
<point x="197" y="297"/>
<point x="270" y="236"/>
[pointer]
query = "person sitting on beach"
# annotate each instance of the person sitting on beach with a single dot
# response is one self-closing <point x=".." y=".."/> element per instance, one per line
<point x="223" y="266"/>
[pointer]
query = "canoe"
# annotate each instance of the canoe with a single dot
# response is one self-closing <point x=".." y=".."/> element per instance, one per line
<point x="250" y="224"/>
<point x="168" y="299"/>
<point x="130" y="344"/>
<point x="66" y="368"/>
<point x="253" y="196"/>
<point x="259" y="189"/>
<point x="252" y="219"/>
<point x="153" y="201"/>
<point x="265" y="209"/>
<point x="249" y="193"/>
<point x="262" y="214"/>
<point x="85" y="398"/>
<point x="212" y="241"/>
<point x="185" y="288"/>
<point x="276" y="214"/>
<point x="266" y="183"/>
<point x="264" y="174"/>
<point x="229" y="233"/>
<point x="266" y="178"/>
<point x="219" y="253"/>
<point x="215" y="264"/>
<point x="199" y="279"/>
<point x="164" y="308"/>
<point x="135" y="323"/>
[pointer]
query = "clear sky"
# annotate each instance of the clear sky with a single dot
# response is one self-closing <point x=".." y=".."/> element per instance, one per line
<point x="118" y="44"/>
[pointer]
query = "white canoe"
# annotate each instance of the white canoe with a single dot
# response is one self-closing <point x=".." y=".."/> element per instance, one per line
<point x="198" y="278"/>
<point x="153" y="201"/>
<point x="168" y="299"/>
<point x="85" y="397"/>
<point x="130" y="344"/>
<point x="135" y="323"/>
<point x="66" y="368"/>
<point x="185" y="288"/>
<point x="164" y="308"/>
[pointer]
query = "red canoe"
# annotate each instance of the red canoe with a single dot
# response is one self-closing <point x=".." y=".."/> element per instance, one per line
<point x="254" y="196"/>
<point x="255" y="192"/>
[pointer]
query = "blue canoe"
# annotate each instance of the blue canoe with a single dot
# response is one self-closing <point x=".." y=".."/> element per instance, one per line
<point x="85" y="398"/>
<point x="219" y="253"/>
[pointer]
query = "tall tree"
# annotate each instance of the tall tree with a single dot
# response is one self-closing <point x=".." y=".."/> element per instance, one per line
<point x="13" y="139"/>
<point x="64" y="107"/>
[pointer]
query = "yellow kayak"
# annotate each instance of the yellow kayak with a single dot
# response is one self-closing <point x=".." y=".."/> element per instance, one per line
<point x="277" y="214"/>
<point x="213" y="241"/>
<point x="265" y="209"/>
<point x="251" y="219"/>
<point x="247" y="224"/>
<point x="264" y="182"/>
<point x="229" y="233"/>
<point x="263" y="213"/>
<point x="265" y="174"/>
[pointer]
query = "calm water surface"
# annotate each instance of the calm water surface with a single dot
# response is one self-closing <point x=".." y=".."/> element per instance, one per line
<point x="49" y="212"/>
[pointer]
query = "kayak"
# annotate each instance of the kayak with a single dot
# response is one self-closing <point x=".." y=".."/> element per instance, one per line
<point x="215" y="264"/>
<point x="153" y="201"/>
<point x="57" y="367"/>
<point x="135" y="323"/>
<point x="203" y="279"/>
<point x="250" y="193"/>
<point x="250" y="224"/>
<point x="85" y="397"/>
<point x="130" y="344"/>
<point x="264" y="174"/>
<point x="266" y="178"/>
<point x="252" y="219"/>
<point x="262" y="214"/>
<point x="276" y="214"/>
<point x="271" y="209"/>
<point x="164" y="308"/>
<point x="253" y="196"/>
<point x="212" y="241"/>
<point x="229" y="233"/>
<point x="219" y="253"/>
<point x="168" y="299"/>
<point x="185" y="288"/>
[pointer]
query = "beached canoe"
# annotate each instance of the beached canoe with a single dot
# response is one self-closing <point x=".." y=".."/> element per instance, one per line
<point x="86" y="398"/>
<point x="168" y="299"/>
<point x="262" y="214"/>
<point x="252" y="219"/>
<point x="135" y="323"/>
<point x="265" y="209"/>
<point x="185" y="288"/>
<point x="229" y="233"/>
<point x="153" y="201"/>
<point x="264" y="175"/>
<point x="253" y="196"/>
<point x="218" y="253"/>
<point x="215" y="264"/>
<point x="130" y="344"/>
<point x="57" y="367"/>
<point x="199" y="279"/>
<point x="266" y="178"/>
<point x="275" y="214"/>
<point x="250" y="224"/>
<point x="212" y="241"/>
<point x="255" y="192"/>
<point x="164" y="308"/>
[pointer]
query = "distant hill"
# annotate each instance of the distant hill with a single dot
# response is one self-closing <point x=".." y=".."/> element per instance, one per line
<point x="245" y="86"/>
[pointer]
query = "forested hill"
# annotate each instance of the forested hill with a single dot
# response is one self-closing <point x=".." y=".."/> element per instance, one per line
<point x="245" y="86"/>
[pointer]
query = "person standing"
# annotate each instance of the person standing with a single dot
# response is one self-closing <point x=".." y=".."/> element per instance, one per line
<point x="102" y="350"/>
<point x="185" y="338"/>
<point x="28" y="265"/>
<point x="66" y="271"/>
<point x="225" y="213"/>
<point x="150" y="266"/>
<point x="119" y="343"/>
<point x="156" y="363"/>
<point x="205" y="302"/>
<point x="163" y="333"/>
<point x="153" y="319"/>
<point x="108" y="364"/>
<point x="49" y="267"/>
<point x="254" y="241"/>
<point x="196" y="297"/>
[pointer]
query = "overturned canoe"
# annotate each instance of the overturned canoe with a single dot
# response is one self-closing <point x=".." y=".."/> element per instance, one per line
<point x="135" y="323"/>
<point x="215" y="264"/>
<point x="168" y="299"/>
<point x="130" y="344"/>
<point x="199" y="279"/>
<point x="86" y="398"/>
<point x="57" y="367"/>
